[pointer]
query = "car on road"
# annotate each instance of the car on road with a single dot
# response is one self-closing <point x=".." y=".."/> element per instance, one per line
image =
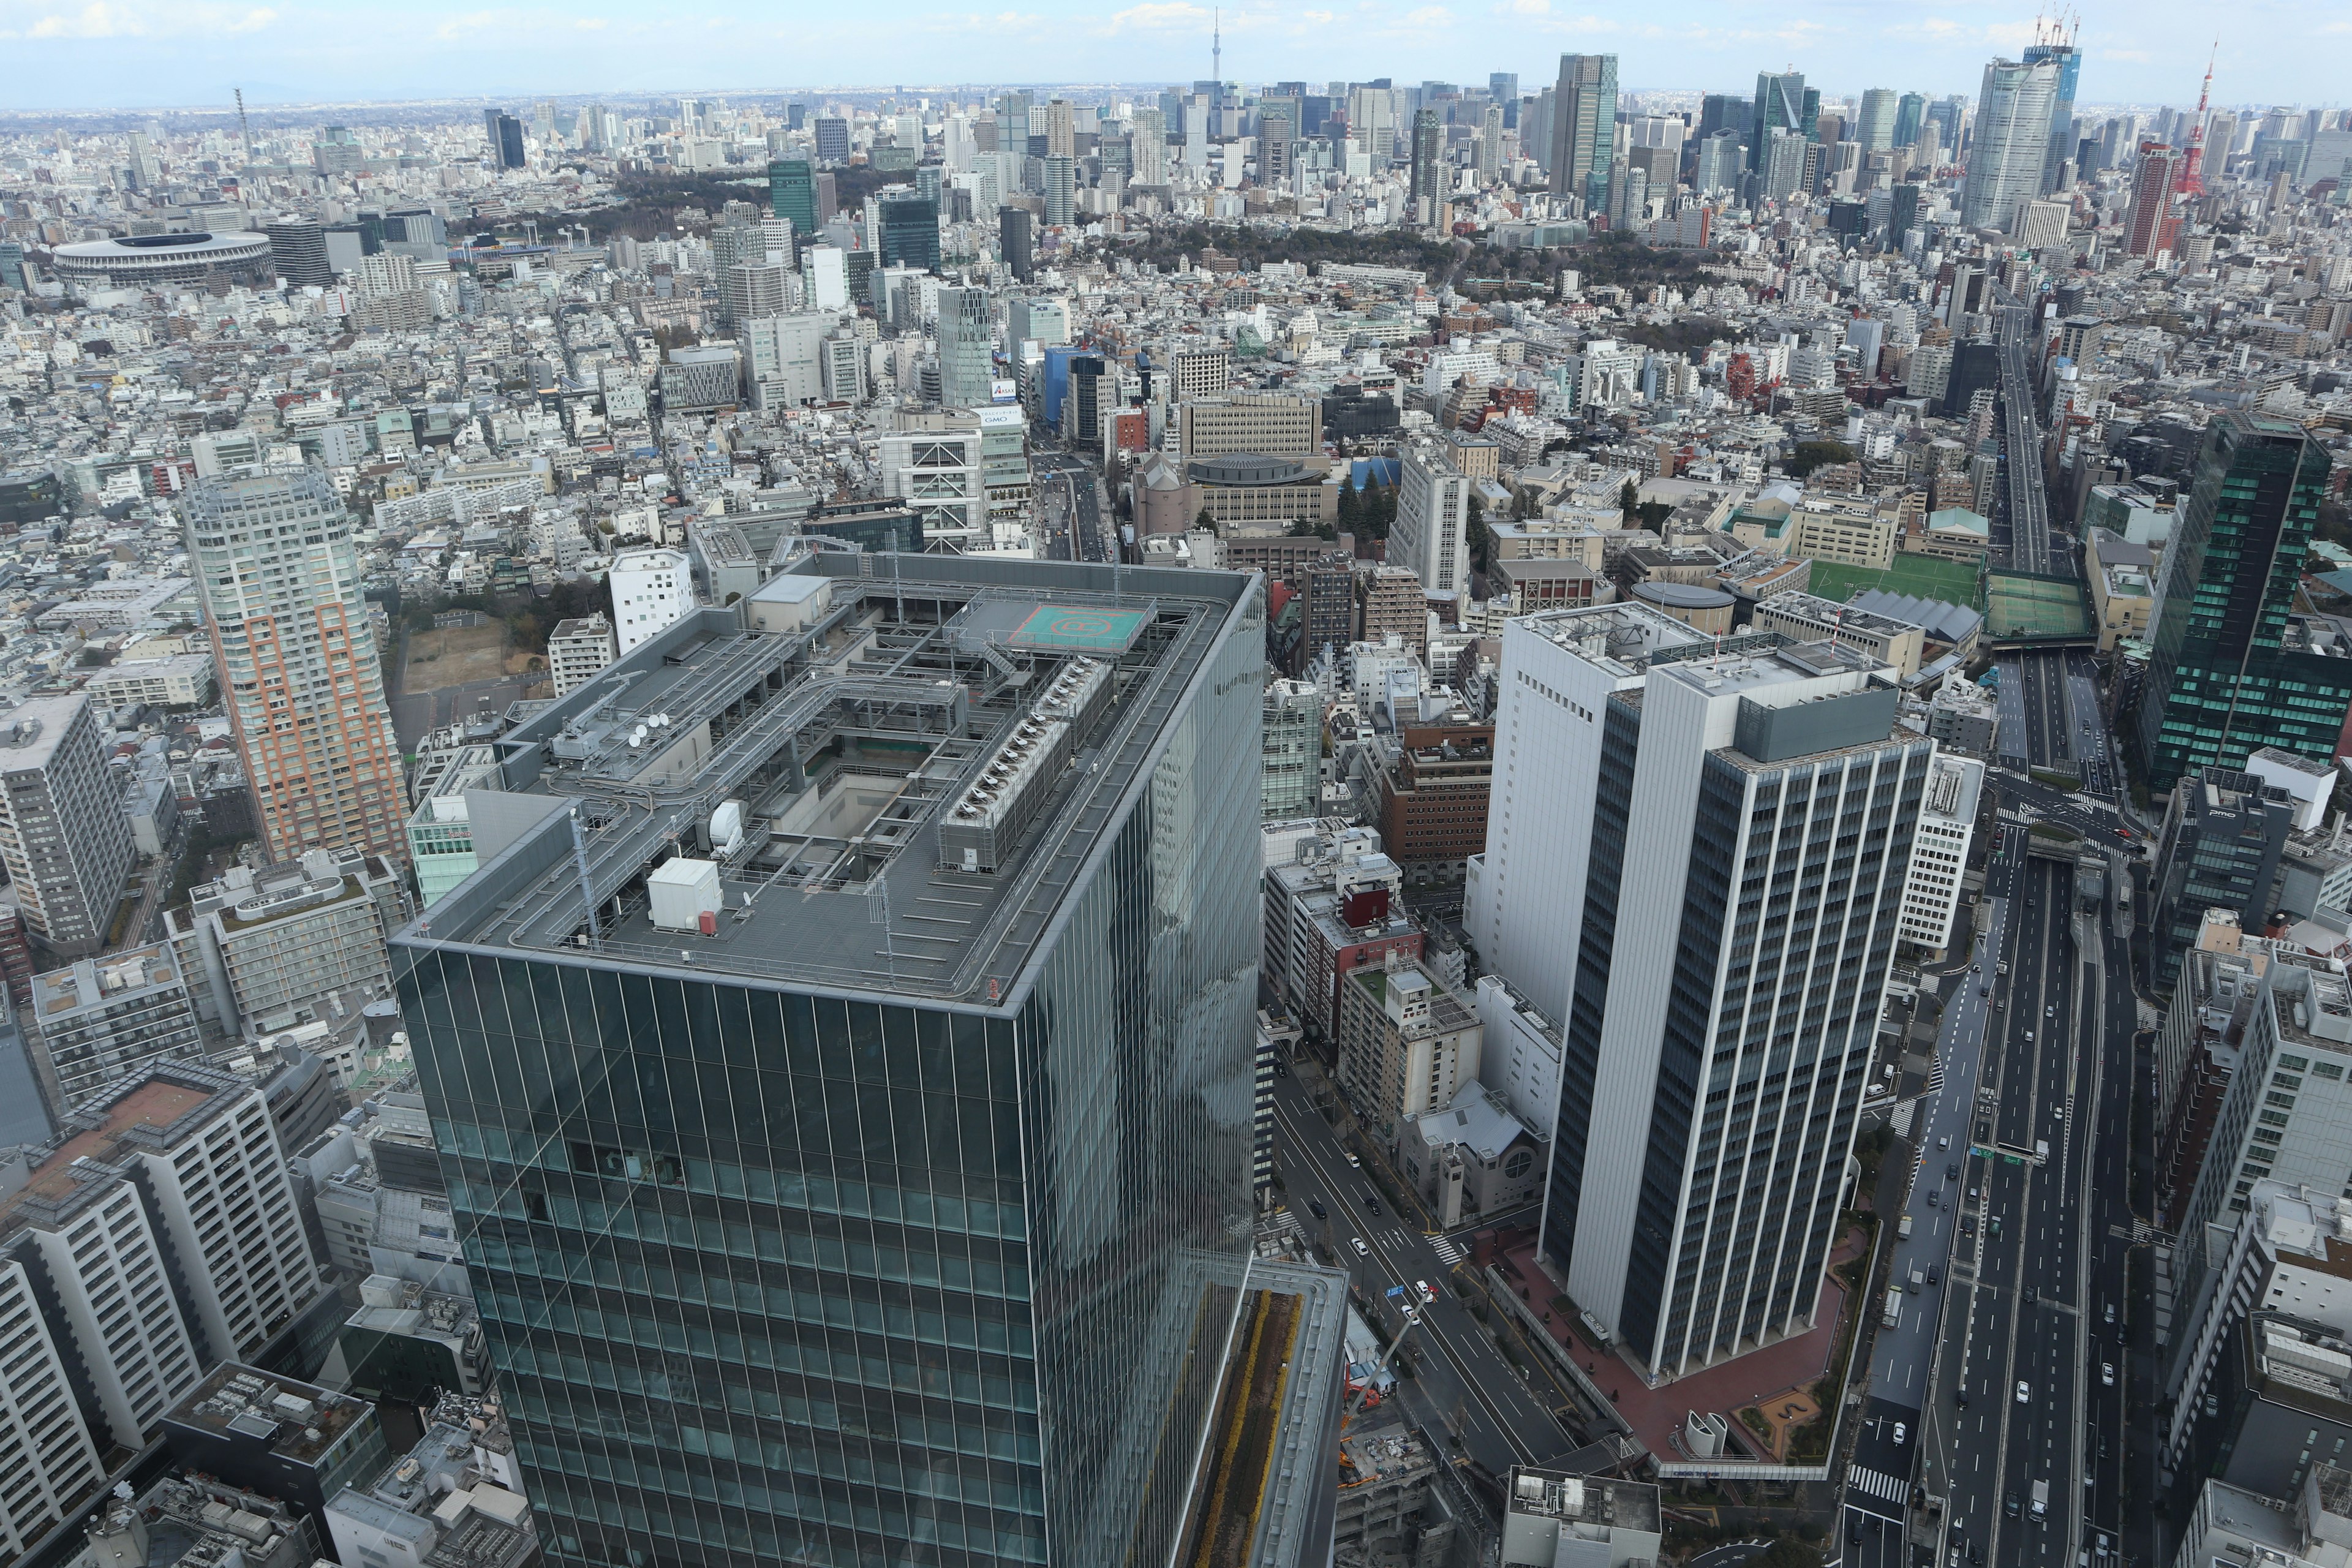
<point x="2051" y="1011"/>
<point x="1371" y="1200"/>
<point x="1935" y="1275"/>
<point x="1363" y="1252"/>
<point x="1967" y="1225"/>
<point x="1354" y="1163"/>
<point x="2032" y="1294"/>
<point x="2024" y="1392"/>
<point x="2106" y="1374"/>
<point x="1315" y="1207"/>
<point x="1901" y="1432"/>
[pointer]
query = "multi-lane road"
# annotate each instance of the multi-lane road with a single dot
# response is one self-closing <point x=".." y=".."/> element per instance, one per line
<point x="1461" y="1382"/>
<point x="1071" y="508"/>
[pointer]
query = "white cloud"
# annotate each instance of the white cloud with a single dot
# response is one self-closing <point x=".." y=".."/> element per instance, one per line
<point x="1161" y="13"/>
<point x="95" y="20"/>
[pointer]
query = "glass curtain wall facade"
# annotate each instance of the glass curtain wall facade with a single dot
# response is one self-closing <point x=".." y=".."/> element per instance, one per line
<point x="2230" y="669"/>
<point x="788" y="1274"/>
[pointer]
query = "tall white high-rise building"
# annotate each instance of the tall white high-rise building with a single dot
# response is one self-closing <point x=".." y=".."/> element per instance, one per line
<point x="63" y="835"/>
<point x="1752" y="813"/>
<point x="280" y="578"/>
<point x="651" y="589"/>
<point x="967" y="347"/>
<point x="1522" y="901"/>
<point x="1939" y="855"/>
<point x="1148" y="139"/>
<point x="1431" y="535"/>
<point x="2012" y="141"/>
<point x="48" y="1463"/>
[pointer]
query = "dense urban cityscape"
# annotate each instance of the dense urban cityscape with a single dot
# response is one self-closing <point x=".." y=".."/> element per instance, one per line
<point x="1509" y="824"/>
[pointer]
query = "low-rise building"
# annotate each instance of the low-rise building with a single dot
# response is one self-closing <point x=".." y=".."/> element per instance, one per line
<point x="2122" y="577"/>
<point x="1552" y="1519"/>
<point x="171" y="681"/>
<point x="276" y="1435"/>
<point x="576" y="650"/>
<point x="1803" y="617"/>
<point x="1472" y="1157"/>
<point x="455" y="1501"/>
<point x="265" y="950"/>
<point x="102" y="1020"/>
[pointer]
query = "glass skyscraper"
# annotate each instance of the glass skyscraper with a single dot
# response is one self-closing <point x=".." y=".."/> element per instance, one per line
<point x="866" y="1179"/>
<point x="792" y="196"/>
<point x="2231" y="669"/>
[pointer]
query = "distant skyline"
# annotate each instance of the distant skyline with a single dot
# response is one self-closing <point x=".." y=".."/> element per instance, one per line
<point x="133" y="54"/>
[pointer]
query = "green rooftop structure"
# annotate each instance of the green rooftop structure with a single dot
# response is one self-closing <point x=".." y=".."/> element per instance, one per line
<point x="2232" y="669"/>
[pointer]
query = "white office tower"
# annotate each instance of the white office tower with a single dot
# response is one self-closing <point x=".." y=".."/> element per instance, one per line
<point x="1431" y="535"/>
<point x="751" y="290"/>
<point x="274" y="560"/>
<point x="651" y="589"/>
<point x="967" y="348"/>
<point x="2013" y="141"/>
<point x="784" y="359"/>
<point x="1752" y="819"/>
<point x="825" y="277"/>
<point x="1939" y="855"/>
<point x="1522" y="902"/>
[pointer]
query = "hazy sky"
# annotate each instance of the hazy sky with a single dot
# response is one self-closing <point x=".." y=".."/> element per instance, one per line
<point x="102" y="52"/>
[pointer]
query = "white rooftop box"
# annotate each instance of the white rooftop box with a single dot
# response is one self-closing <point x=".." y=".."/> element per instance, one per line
<point x="682" y="891"/>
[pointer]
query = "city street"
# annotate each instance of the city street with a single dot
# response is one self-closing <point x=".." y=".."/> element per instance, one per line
<point x="1461" y="1383"/>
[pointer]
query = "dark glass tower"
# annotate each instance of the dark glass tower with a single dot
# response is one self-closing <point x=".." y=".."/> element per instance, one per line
<point x="868" y="1180"/>
<point x="792" y="196"/>
<point x="2230" y="669"/>
<point x="910" y="232"/>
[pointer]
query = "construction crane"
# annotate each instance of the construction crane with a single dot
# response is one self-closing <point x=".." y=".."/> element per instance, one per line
<point x="1417" y="1296"/>
<point x="2193" y="167"/>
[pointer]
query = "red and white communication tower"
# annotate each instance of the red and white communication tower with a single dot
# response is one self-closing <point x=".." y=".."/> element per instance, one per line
<point x="2192" y="176"/>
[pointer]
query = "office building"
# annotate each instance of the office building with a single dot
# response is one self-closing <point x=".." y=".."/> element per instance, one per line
<point x="1719" y="1032"/>
<point x="1874" y="125"/>
<point x="2231" y="668"/>
<point x="1431" y="535"/>
<point x="653" y="588"/>
<point x="1428" y="189"/>
<point x="2066" y="61"/>
<point x="1332" y="906"/>
<point x="1910" y="114"/>
<point x="792" y="196"/>
<point x="2222" y="837"/>
<point x="2011" y="141"/>
<point x="1779" y="106"/>
<point x="63" y="836"/>
<point x="1432" y="789"/>
<point x="1524" y="895"/>
<point x="752" y="289"/>
<point x="938" y="470"/>
<point x="1552" y="1518"/>
<point x="1197" y="372"/>
<point x="1939" y="854"/>
<point x="99" y="1021"/>
<point x="910" y="230"/>
<point x="1584" y="128"/>
<point x="298" y="249"/>
<point x="577" y="649"/>
<point x="1291" y="771"/>
<point x="967" y="347"/>
<point x="832" y="138"/>
<point x="783" y="358"/>
<point x="301" y="942"/>
<point x="1407" y="1044"/>
<point x="2149" y="227"/>
<point x="451" y="1500"/>
<point x="1263" y="425"/>
<point x="504" y="133"/>
<point x="276" y="1435"/>
<point x="1017" y="241"/>
<point x="1052" y="1165"/>
<point x="279" y="579"/>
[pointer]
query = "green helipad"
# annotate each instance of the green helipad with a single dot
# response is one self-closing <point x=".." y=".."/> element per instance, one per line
<point x="1078" y="628"/>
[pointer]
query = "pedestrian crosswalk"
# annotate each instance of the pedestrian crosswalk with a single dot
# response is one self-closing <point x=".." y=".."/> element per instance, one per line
<point x="1448" y="1252"/>
<point x="1286" y="1223"/>
<point x="1877" y="1484"/>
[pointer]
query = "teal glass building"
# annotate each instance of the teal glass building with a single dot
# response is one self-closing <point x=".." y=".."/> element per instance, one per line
<point x="2230" y="669"/>
<point x="867" y="1181"/>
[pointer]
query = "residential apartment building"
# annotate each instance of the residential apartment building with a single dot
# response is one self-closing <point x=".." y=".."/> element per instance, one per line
<point x="577" y="649"/>
<point x="1433" y="790"/>
<point x="279" y="576"/>
<point x="63" y="835"/>
<point x="99" y="1020"/>
<point x="169" y="680"/>
<point x="1407" y="1044"/>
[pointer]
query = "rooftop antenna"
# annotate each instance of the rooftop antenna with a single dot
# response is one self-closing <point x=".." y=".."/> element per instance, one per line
<point x="244" y="126"/>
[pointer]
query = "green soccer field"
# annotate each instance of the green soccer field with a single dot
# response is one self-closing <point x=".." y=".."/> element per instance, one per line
<point x="1923" y="577"/>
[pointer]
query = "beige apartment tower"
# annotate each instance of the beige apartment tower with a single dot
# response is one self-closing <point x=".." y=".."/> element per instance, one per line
<point x="280" y="580"/>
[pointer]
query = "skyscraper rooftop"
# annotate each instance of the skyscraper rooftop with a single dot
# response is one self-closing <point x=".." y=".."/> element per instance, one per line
<point x="860" y="755"/>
